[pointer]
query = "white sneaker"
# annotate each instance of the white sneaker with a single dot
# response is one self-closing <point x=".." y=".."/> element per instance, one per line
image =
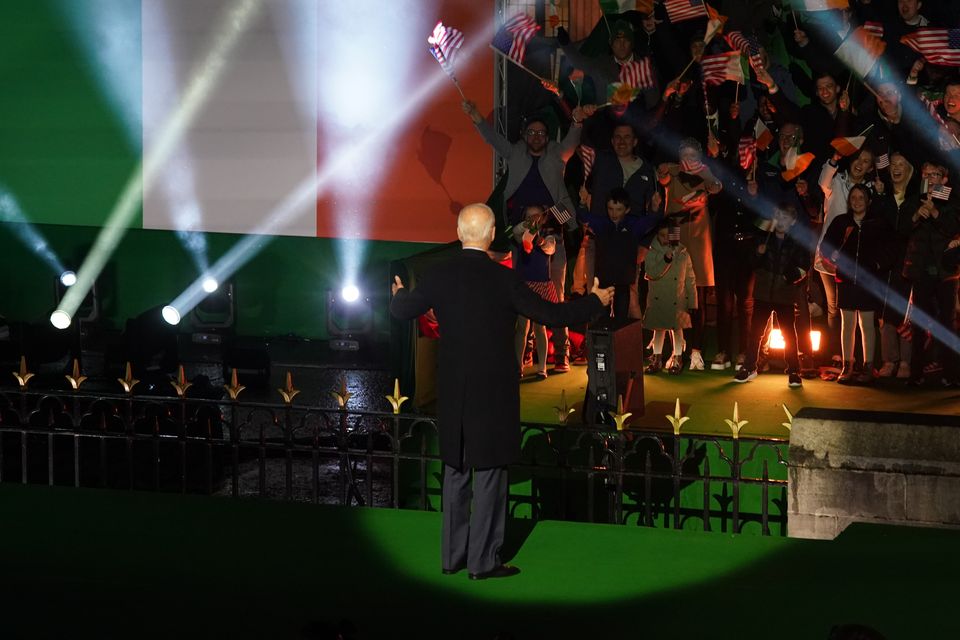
<point x="903" y="371"/>
<point x="696" y="360"/>
<point x="720" y="362"/>
<point x="886" y="371"/>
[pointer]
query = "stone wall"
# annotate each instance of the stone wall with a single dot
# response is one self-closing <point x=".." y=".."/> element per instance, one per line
<point x="867" y="466"/>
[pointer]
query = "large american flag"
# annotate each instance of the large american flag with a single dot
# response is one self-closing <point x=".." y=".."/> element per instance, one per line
<point x="721" y="67"/>
<point x="938" y="46"/>
<point x="680" y="10"/>
<point x="747" y="150"/>
<point x="445" y="42"/>
<point x="746" y="43"/>
<point x="637" y="73"/>
<point x="511" y="40"/>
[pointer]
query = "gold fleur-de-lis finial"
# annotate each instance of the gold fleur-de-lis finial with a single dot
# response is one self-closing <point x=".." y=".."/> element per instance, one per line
<point x="736" y="424"/>
<point x="789" y="423"/>
<point x="234" y="388"/>
<point x="23" y="377"/>
<point x="76" y="379"/>
<point x="181" y="384"/>
<point x="288" y="392"/>
<point x="396" y="399"/>
<point x="677" y="420"/>
<point x="563" y="411"/>
<point x="342" y="395"/>
<point x="619" y="417"/>
<point x="128" y="382"/>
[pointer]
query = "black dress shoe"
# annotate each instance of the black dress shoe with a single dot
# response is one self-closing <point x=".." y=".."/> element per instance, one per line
<point x="503" y="571"/>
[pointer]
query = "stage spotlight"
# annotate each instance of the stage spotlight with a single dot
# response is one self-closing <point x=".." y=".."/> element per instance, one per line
<point x="815" y="340"/>
<point x="776" y="340"/>
<point x="171" y="315"/>
<point x="348" y="320"/>
<point x="350" y="293"/>
<point x="210" y="284"/>
<point x="68" y="278"/>
<point x="60" y="319"/>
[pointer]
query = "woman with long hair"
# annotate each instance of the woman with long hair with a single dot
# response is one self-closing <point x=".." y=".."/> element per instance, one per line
<point x="856" y="246"/>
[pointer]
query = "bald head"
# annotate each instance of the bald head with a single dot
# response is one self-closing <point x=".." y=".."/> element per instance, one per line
<point x="475" y="226"/>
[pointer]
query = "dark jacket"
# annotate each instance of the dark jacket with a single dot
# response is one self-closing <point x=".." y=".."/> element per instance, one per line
<point x="926" y="255"/>
<point x="608" y="175"/>
<point x="862" y="255"/>
<point x="477" y="302"/>
<point x="780" y="270"/>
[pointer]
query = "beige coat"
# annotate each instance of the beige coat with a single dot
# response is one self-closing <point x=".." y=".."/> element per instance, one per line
<point x="672" y="290"/>
<point x="686" y="199"/>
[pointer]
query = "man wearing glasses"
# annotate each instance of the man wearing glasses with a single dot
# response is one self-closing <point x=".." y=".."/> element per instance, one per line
<point x="535" y="167"/>
<point x="535" y="163"/>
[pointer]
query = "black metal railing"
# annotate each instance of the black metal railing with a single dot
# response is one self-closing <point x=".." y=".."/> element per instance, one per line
<point x="367" y="458"/>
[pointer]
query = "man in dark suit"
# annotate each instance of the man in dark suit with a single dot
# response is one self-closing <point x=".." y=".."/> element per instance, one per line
<point x="476" y="302"/>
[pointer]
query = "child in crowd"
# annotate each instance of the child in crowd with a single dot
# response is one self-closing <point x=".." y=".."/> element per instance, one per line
<point x="671" y="295"/>
<point x="536" y="242"/>
<point x="618" y="238"/>
<point x="780" y="268"/>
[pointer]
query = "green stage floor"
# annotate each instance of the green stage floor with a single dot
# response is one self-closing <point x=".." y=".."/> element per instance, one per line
<point x="89" y="563"/>
<point x="708" y="398"/>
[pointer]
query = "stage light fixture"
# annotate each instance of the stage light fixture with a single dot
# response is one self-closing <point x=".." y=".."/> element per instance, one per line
<point x="776" y="340"/>
<point x="348" y="320"/>
<point x="60" y="319"/>
<point x="210" y="284"/>
<point x="171" y="315"/>
<point x="815" y="340"/>
<point x="350" y="293"/>
<point x="68" y="278"/>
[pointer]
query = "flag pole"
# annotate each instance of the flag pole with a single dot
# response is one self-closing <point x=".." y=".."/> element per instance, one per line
<point x="736" y="95"/>
<point x="686" y="68"/>
<point x="545" y="83"/>
<point x="457" y="85"/>
<point x="795" y="25"/>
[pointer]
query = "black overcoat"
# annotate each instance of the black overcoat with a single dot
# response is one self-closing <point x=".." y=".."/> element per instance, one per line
<point x="476" y="302"/>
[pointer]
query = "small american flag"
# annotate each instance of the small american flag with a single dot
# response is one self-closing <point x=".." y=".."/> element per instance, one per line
<point x="745" y="43"/>
<point x="511" y="40"/>
<point x="938" y="46"/>
<point x="445" y="42"/>
<point x="883" y="161"/>
<point x="721" y="67"/>
<point x="680" y="10"/>
<point x="747" y="150"/>
<point x="561" y="213"/>
<point x="638" y="73"/>
<point x="941" y="192"/>
<point x="673" y="234"/>
<point x="874" y="28"/>
<point x="933" y="106"/>
<point x="587" y="156"/>
<point x="691" y="166"/>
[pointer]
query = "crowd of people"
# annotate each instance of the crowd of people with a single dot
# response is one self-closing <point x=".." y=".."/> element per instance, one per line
<point x="808" y="196"/>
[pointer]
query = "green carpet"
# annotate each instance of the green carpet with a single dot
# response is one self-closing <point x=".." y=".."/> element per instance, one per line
<point x="709" y="397"/>
<point x="87" y="562"/>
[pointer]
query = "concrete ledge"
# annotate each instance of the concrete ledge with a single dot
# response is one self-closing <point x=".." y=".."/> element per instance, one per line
<point x="864" y="466"/>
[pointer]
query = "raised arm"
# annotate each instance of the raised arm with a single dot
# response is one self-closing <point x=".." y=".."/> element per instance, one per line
<point x="491" y="137"/>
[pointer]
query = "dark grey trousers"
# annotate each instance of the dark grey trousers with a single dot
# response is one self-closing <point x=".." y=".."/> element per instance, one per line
<point x="472" y="538"/>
